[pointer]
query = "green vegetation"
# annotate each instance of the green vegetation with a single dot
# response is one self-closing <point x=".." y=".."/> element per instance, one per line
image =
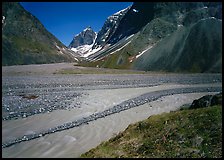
<point x="26" y="41"/>
<point x="183" y="133"/>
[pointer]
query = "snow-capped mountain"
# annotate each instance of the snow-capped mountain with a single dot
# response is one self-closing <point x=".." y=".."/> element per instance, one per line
<point x="86" y="43"/>
<point x="160" y="35"/>
<point x="83" y="41"/>
<point x="122" y="25"/>
<point x="109" y="27"/>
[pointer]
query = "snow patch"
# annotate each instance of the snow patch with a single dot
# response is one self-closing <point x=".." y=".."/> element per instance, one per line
<point x="121" y="11"/>
<point x="3" y="19"/>
<point x="88" y="28"/>
<point x="76" y="59"/>
<point x="92" y="51"/>
<point x="113" y="18"/>
<point x="135" y="10"/>
<point x="141" y="53"/>
<point x="120" y="48"/>
<point x="58" y="46"/>
<point x="82" y="49"/>
<point x="107" y="33"/>
<point x="129" y="37"/>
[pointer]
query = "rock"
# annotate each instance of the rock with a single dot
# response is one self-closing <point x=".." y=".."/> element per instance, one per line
<point x="216" y="99"/>
<point x="208" y="100"/>
<point x="202" y="102"/>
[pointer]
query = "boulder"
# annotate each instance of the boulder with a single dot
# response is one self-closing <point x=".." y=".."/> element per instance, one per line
<point x="207" y="100"/>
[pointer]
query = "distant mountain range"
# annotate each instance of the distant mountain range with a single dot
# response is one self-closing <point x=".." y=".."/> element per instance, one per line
<point x="150" y="36"/>
<point x="161" y="36"/>
<point x="26" y="41"/>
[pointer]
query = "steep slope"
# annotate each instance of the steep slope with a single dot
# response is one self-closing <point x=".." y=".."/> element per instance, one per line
<point x="195" y="49"/>
<point x="162" y="41"/>
<point x="137" y="17"/>
<point x="109" y="27"/>
<point x="26" y="41"/>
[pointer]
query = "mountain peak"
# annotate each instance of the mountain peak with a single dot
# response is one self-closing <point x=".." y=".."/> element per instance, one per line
<point x="86" y="37"/>
<point x="88" y="28"/>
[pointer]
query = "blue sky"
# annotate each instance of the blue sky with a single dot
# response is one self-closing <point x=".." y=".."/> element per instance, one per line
<point x="66" y="19"/>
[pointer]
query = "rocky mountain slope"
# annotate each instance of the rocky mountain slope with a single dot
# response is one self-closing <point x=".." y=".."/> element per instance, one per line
<point x="109" y="27"/>
<point x="83" y="41"/>
<point x="26" y="41"/>
<point x="163" y="36"/>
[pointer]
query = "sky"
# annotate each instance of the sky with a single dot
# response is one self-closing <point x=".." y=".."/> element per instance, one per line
<point x="66" y="19"/>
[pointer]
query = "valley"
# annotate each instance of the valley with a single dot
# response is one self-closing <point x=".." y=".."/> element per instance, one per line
<point x="146" y="59"/>
<point x="77" y="112"/>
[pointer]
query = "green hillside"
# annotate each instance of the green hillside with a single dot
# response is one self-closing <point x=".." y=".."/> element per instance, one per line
<point x="26" y="41"/>
<point x="189" y="49"/>
<point x="185" y="133"/>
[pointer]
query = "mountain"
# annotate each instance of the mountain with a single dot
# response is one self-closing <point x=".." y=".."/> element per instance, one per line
<point x="163" y="36"/>
<point x="195" y="49"/>
<point x="109" y="27"/>
<point x="83" y="41"/>
<point x="101" y="39"/>
<point x="26" y="41"/>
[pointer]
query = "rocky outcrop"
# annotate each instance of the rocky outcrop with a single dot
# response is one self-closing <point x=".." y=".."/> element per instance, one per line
<point x="109" y="28"/>
<point x="206" y="101"/>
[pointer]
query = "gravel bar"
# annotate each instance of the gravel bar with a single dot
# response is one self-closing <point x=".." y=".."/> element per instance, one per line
<point x="134" y="102"/>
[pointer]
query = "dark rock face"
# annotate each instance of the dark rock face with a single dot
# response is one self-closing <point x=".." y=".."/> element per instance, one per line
<point x="109" y="28"/>
<point x="26" y="41"/>
<point x="137" y="17"/>
<point x="125" y="23"/>
<point x="86" y="37"/>
<point x="208" y="100"/>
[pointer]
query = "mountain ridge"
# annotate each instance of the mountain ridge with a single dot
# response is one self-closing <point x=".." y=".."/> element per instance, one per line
<point x="136" y="37"/>
<point x="26" y="41"/>
<point x="166" y="20"/>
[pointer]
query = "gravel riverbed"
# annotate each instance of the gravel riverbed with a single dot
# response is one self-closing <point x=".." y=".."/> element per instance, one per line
<point x="38" y="107"/>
